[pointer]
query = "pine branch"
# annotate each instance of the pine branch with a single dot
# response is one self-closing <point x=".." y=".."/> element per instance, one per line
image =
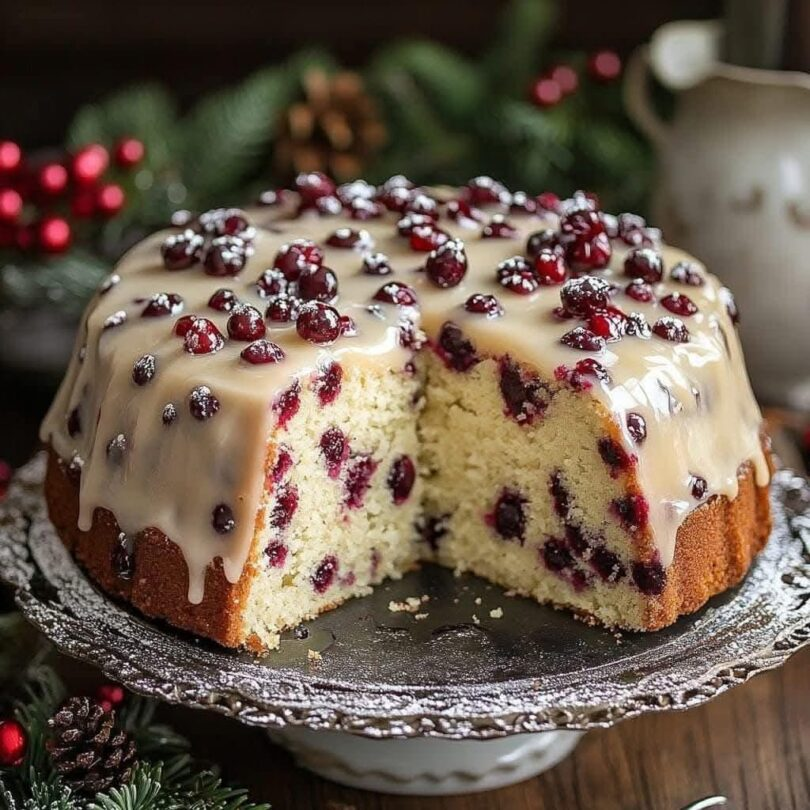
<point x="142" y="793"/>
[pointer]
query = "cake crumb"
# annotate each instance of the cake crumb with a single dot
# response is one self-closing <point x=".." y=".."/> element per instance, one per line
<point x="410" y="605"/>
<point x="496" y="613"/>
<point x="420" y="616"/>
<point x="314" y="655"/>
<point x="478" y="600"/>
<point x="475" y="619"/>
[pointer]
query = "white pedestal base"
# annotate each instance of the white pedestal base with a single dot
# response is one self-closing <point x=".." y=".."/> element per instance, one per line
<point x="425" y="766"/>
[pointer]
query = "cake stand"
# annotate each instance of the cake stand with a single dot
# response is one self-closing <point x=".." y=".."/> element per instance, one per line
<point x="484" y="690"/>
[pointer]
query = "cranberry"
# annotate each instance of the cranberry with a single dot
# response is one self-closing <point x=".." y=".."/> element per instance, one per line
<point x="293" y="257"/>
<point x="589" y="254"/>
<point x="425" y="238"/>
<point x="632" y="512"/>
<point x="123" y="556"/>
<point x="559" y="494"/>
<point x="686" y="272"/>
<point x="318" y="323"/>
<point x="74" y="423"/>
<point x="456" y="350"/>
<point x="276" y="554"/>
<point x="549" y="267"/>
<point x="699" y="487"/>
<point x="556" y="555"/>
<point x="161" y="304"/>
<point x="395" y="292"/>
<point x="644" y="263"/>
<point x="282" y="309"/>
<point x="202" y="403"/>
<point x="355" y="190"/>
<point x="401" y="479"/>
<point x="287" y="403"/>
<point x="424" y="205"/>
<point x="409" y="336"/>
<point x="521" y="203"/>
<point x="607" y="564"/>
<point x="324" y="575"/>
<point x="349" y="238"/>
<point x="226" y="222"/>
<point x="544" y="240"/>
<point x="640" y="290"/>
<point x="629" y="225"/>
<point x="313" y="185"/>
<point x="328" y="206"/>
<point x="246" y="323"/>
<point x="118" y="318"/>
<point x="483" y="304"/>
<point x="117" y="448"/>
<point x="581" y="338"/>
<point x="348" y="328"/>
<point x="583" y="296"/>
<point x="517" y="275"/>
<point x="335" y="449"/>
<point x="376" y="264"/>
<point x="181" y="250"/>
<point x="226" y="256"/>
<point x="650" y="578"/>
<point x="408" y="223"/>
<point x="577" y="541"/>
<point x="498" y="228"/>
<point x="222" y="519"/>
<point x="396" y="199"/>
<point x="317" y="283"/>
<point x="636" y="427"/>
<point x="608" y="325"/>
<point x="615" y="456"/>
<point x="363" y="210"/>
<point x="285" y="506"/>
<point x="672" y="329"/>
<point x="328" y="383"/>
<point x="549" y="201"/>
<point x="525" y="395"/>
<point x="358" y="479"/>
<point x="432" y="530"/>
<point x="282" y="464"/>
<point x="182" y="325"/>
<point x="169" y="413"/>
<point x="463" y="213"/>
<point x="447" y="265"/>
<point x="274" y="282"/>
<point x="731" y="305"/>
<point x="223" y="300"/>
<point x="636" y="326"/>
<point x="593" y="368"/>
<point x="144" y="369"/>
<point x="680" y="304"/>
<point x="201" y="337"/>
<point x="581" y="220"/>
<point x="509" y="516"/>
<point x="262" y="352"/>
<point x="484" y="190"/>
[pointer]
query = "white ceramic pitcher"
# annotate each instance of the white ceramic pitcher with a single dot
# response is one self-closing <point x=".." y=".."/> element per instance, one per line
<point x="733" y="188"/>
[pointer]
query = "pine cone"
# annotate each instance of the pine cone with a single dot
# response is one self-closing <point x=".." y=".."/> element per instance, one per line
<point x="335" y="128"/>
<point x="87" y="750"/>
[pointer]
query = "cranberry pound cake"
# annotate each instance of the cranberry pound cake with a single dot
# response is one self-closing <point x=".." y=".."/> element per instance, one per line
<point x="269" y="411"/>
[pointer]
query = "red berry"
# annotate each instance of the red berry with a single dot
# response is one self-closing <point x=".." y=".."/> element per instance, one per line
<point x="395" y="292"/>
<point x="581" y="220"/>
<point x="447" y="265"/>
<point x="89" y="164"/>
<point x="223" y="300"/>
<point x="246" y="323"/>
<point x="318" y="323"/>
<point x="406" y="225"/>
<point x="222" y="519"/>
<point x="10" y="157"/>
<point x="604" y="66"/>
<point x="521" y="203"/>
<point x="182" y="325"/>
<point x="282" y="309"/>
<point x="639" y="290"/>
<point x="566" y="77"/>
<point x="52" y="179"/>
<point x="583" y="296"/>
<point x="549" y="267"/>
<point x="13" y="741"/>
<point x="11" y="205"/>
<point x="161" y="304"/>
<point x="202" y="403"/>
<point x="317" y="283"/>
<point x="144" y="369"/>
<point x="335" y="449"/>
<point x="181" y="250"/>
<point x="129" y="152"/>
<point x="546" y="239"/>
<point x="324" y="574"/>
<point x="686" y="272"/>
<point x="482" y="304"/>
<point x="589" y="253"/>
<point x="607" y="325"/>
<point x="644" y="263"/>
<point x="549" y="201"/>
<point x="425" y="238"/>
<point x="201" y="337"/>
<point x="672" y="329"/>
<point x="680" y="304"/>
<point x="312" y="186"/>
<point x="462" y="212"/>
<point x="581" y="338"/>
<point x="636" y="427"/>
<point x="54" y="235"/>
<point x="401" y="479"/>
<point x="111" y="693"/>
<point x="83" y="202"/>
<point x="328" y="383"/>
<point x="376" y="264"/>
<point x="699" y="487"/>
<point x="546" y="92"/>
<point x="349" y="239"/>
<point x="261" y="352"/>
<point x="293" y="257"/>
<point x="226" y="256"/>
<point x="484" y="190"/>
<point x="498" y="228"/>
<point x="110" y="199"/>
<point x="517" y="275"/>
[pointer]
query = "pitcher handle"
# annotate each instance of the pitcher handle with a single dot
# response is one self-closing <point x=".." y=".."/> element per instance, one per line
<point x="637" y="101"/>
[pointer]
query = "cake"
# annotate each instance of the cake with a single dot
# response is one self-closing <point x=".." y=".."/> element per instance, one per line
<point x="271" y="410"/>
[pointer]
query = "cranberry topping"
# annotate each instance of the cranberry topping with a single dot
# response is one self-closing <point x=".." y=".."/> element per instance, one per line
<point x="348" y="327"/>
<point x="608" y="325"/>
<point x="556" y="555"/>
<point x="521" y="203"/>
<point x="615" y="456"/>
<point x="282" y="309"/>
<point x="408" y="223"/>
<point x="463" y="213"/>
<point x="181" y="250"/>
<point x="546" y="239"/>
<point x="509" y="516"/>
<point x="317" y="283"/>
<point x="335" y="449"/>
<point x="169" y="413"/>
<point x="223" y="300"/>
<point x="425" y="238"/>
<point x="636" y="427"/>
<point x="632" y="512"/>
<point x="581" y="338"/>
<point x="144" y="369"/>
<point x="324" y="575"/>
<point x="422" y="204"/>
<point x="200" y="336"/>
<point x="549" y="267"/>
<point x="161" y="304"/>
<point x="318" y="323"/>
<point x="455" y="349"/>
<point x="395" y="292"/>
<point x="583" y="296"/>
<point x="276" y="554"/>
<point x="447" y="265"/>
<point x="484" y="190"/>
<point x="355" y="190"/>
<point x="222" y="519"/>
<point x="286" y="404"/>
<point x="294" y="256"/>
<point x="273" y="282"/>
<point x="559" y="494"/>
<point x="285" y="506"/>
<point x="363" y="210"/>
<point x="644" y="263"/>
<point x="498" y="228"/>
<point x="349" y="238"/>
<point x="672" y="329"/>
<point x="118" y="318"/>
<point x="262" y="352"/>
<point x="581" y="220"/>
<point x="246" y="323"/>
<point x="636" y="326"/>
<point x="182" y="325"/>
<point x="686" y="272"/>
<point x="226" y="256"/>
<point x="282" y="465"/>
<point x="328" y="382"/>
<point x="582" y="368"/>
<point x="376" y="264"/>
<point x="123" y="556"/>
<point x="311" y="186"/>
<point x="640" y="290"/>
<point x="226" y="222"/>
<point x="328" y="206"/>
<point x="699" y="487"/>
<point x="594" y="368"/>
<point x="74" y="423"/>
<point x="401" y="479"/>
<point x="525" y="395"/>
<point x="607" y="564"/>
<point x="396" y="199"/>
<point x="117" y="448"/>
<point x="202" y="403"/>
<point x="650" y="578"/>
<point x="589" y="254"/>
<point x="680" y="304"/>
<point x="358" y="480"/>
<point x="549" y="201"/>
<point x="482" y="304"/>
<point x="517" y="275"/>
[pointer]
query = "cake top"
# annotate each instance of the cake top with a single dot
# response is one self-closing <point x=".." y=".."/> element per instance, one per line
<point x="197" y="344"/>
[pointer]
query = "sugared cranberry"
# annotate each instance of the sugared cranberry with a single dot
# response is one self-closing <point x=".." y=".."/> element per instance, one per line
<point x="287" y="403"/>
<point x="615" y="456"/>
<point x="144" y="369"/>
<point x="408" y="223"/>
<point x="74" y="423"/>
<point x="317" y="283"/>
<point x="498" y="228"/>
<point x="644" y="263"/>
<point x="223" y="300"/>
<point x="640" y="290"/>
<point x="581" y="338"/>
<point x="424" y="204"/>
<point x="509" y="515"/>
<point x="376" y="264"/>
<point x="731" y="305"/>
<point x="182" y="325"/>
<point x="608" y="325"/>
<point x="117" y="448"/>
<point x="447" y="265"/>
<point x="632" y="512"/>
<point x="222" y="519"/>
<point x="680" y="304"/>
<point x="587" y="367"/>
<point x="285" y="506"/>
<point x="401" y="479"/>
<point x="395" y="199"/>
<point x="348" y="326"/>
<point x="607" y="564"/>
<point x="484" y="190"/>
<point x="521" y="203"/>
<point x="581" y="220"/>
<point x="672" y="329"/>
<point x="358" y="479"/>
<point x="182" y="250"/>
<point x="226" y="256"/>
<point x="226" y="222"/>
<point x="202" y="403"/>
<point x="425" y="238"/>
<point x="328" y="206"/>
<point x="543" y="241"/>
<point x="276" y="554"/>
<point x="335" y="449"/>
<point x="650" y="578"/>
<point x="161" y="304"/>
<point x="324" y="575"/>
<point x="318" y="323"/>
<point x="395" y="292"/>
<point x="687" y="272"/>
<point x="483" y="304"/>
<point x="282" y="309"/>
<point x="455" y="349"/>
<point x="118" y="318"/>
<point x="525" y="395"/>
<point x="636" y="427"/>
<point x="313" y="185"/>
<point x="169" y="413"/>
<point x="636" y="325"/>
<point x="201" y="337"/>
<point x="123" y="556"/>
<point x="556" y="555"/>
<point x="349" y="239"/>
<point x="409" y="336"/>
<point x="294" y="256"/>
<point x="262" y="352"/>
<point x="582" y="296"/>
<point x="549" y="201"/>
<point x="588" y="254"/>
<point x="246" y="323"/>
<point x="273" y="282"/>
<point x="699" y="487"/>
<point x="517" y="276"/>
<point x="549" y="267"/>
<point x="355" y="190"/>
<point x="463" y="213"/>
<point x="327" y="383"/>
<point x="363" y="210"/>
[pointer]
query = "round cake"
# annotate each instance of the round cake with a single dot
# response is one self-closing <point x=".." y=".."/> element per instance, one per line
<point x="269" y="411"/>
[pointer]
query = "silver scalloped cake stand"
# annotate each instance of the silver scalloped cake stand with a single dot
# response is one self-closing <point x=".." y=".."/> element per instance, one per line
<point x="457" y="701"/>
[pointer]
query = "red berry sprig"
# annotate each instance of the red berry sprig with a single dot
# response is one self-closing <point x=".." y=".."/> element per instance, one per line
<point x="110" y="696"/>
<point x="561" y="79"/>
<point x="13" y="743"/>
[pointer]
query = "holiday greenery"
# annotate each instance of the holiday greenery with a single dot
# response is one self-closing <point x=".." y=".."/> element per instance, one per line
<point x="533" y="119"/>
